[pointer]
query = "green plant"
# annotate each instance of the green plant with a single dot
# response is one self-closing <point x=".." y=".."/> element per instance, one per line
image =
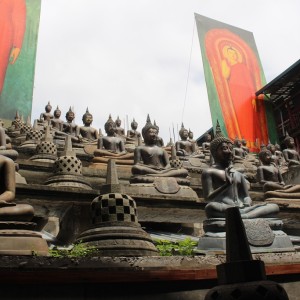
<point x="78" y="250"/>
<point x="169" y="248"/>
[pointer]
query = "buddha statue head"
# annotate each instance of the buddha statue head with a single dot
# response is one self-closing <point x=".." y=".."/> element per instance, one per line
<point x="265" y="156"/>
<point x="183" y="132"/>
<point x="48" y="107"/>
<point x="57" y="113"/>
<point x="70" y="116"/>
<point x="110" y="126"/>
<point x="87" y="118"/>
<point x="191" y="134"/>
<point x="207" y="137"/>
<point x="118" y="122"/>
<point x="237" y="142"/>
<point x="149" y="131"/>
<point x="289" y="141"/>
<point x="134" y="125"/>
<point x="221" y="148"/>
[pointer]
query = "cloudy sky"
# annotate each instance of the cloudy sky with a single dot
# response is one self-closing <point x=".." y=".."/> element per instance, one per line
<point x="134" y="57"/>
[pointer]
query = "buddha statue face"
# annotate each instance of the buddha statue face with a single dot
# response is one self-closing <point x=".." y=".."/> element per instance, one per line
<point x="244" y="142"/>
<point x="150" y="135"/>
<point x="237" y="143"/>
<point x="70" y="116"/>
<point x="265" y="156"/>
<point x="134" y="125"/>
<point x="290" y="142"/>
<point x="184" y="134"/>
<point x="57" y="113"/>
<point x="110" y="128"/>
<point x="208" y="138"/>
<point x="87" y="119"/>
<point x="48" y="108"/>
<point x="223" y="154"/>
<point x="118" y="122"/>
<point x="191" y="135"/>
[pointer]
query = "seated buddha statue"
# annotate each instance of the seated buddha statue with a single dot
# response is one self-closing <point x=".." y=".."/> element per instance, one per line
<point x="87" y="133"/>
<point x="268" y="174"/>
<point x="274" y="157"/>
<point x="45" y="117"/>
<point x="244" y="146"/>
<point x="152" y="161"/>
<point x="290" y="154"/>
<point x="119" y="130"/>
<point x="69" y="128"/>
<point x="57" y="122"/>
<point x="224" y="187"/>
<point x="5" y="146"/>
<point x="9" y="210"/>
<point x="133" y="136"/>
<point x="111" y="146"/>
<point x="280" y="156"/>
<point x="273" y="185"/>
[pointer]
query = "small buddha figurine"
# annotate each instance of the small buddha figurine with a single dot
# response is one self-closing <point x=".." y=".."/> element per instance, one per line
<point x="274" y="157"/>
<point x="159" y="140"/>
<point x="244" y="146"/>
<point x="290" y="153"/>
<point x="238" y="151"/>
<point x="151" y="160"/>
<point x="111" y="146"/>
<point x="88" y="134"/>
<point x="47" y="115"/>
<point x="133" y="133"/>
<point x="268" y="174"/>
<point x="191" y="137"/>
<point x="119" y="130"/>
<point x="206" y="143"/>
<point x="225" y="187"/>
<point x="56" y="122"/>
<point x="185" y="147"/>
<point x="70" y="127"/>
<point x="279" y="154"/>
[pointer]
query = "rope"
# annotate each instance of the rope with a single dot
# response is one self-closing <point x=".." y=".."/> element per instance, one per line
<point x="188" y="75"/>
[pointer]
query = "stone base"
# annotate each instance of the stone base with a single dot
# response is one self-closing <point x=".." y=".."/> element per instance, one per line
<point x="119" y="239"/>
<point x="216" y="243"/>
<point x="22" y="242"/>
<point x="63" y="180"/>
<point x="151" y="191"/>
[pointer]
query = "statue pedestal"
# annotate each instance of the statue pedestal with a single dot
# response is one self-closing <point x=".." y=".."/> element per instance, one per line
<point x="16" y="239"/>
<point x="264" y="235"/>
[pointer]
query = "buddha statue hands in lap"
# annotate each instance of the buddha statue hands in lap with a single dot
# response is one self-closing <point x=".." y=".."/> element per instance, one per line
<point x="111" y="146"/>
<point x="185" y="147"/>
<point x="87" y="133"/>
<point x="152" y="160"/>
<point x="225" y="187"/>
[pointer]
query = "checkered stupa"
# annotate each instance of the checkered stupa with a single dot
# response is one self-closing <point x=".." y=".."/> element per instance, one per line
<point x="115" y="229"/>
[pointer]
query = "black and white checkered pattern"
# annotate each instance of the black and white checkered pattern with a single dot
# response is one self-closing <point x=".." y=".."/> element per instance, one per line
<point x="114" y="207"/>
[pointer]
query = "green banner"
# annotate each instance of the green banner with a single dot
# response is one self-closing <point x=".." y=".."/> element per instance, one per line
<point x="233" y="74"/>
<point x="19" y="23"/>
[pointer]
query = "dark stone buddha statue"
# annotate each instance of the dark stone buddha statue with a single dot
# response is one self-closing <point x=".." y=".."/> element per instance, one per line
<point x="87" y="133"/>
<point x="151" y="160"/>
<point x="111" y="146"/>
<point x="290" y="154"/>
<point x="225" y="187"/>
<point x="46" y="116"/>
<point x="119" y="130"/>
<point x="57" y="122"/>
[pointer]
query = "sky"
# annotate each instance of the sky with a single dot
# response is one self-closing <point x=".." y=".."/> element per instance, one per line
<point x="130" y="58"/>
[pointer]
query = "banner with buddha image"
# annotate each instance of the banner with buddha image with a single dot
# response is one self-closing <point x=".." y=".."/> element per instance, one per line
<point x="233" y="74"/>
<point x="19" y="23"/>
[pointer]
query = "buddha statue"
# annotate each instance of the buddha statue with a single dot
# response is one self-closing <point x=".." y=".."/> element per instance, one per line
<point x="87" y="133"/>
<point x="268" y="174"/>
<point x="57" y="122"/>
<point x="133" y="136"/>
<point x="152" y="161"/>
<point x="119" y="130"/>
<point x="238" y="151"/>
<point x="244" y="146"/>
<point x="45" y="117"/>
<point x="290" y="153"/>
<point x="273" y="185"/>
<point x="111" y="146"/>
<point x="185" y="147"/>
<point x="274" y="157"/>
<point x="280" y="156"/>
<point x="159" y="140"/>
<point x="206" y="143"/>
<point x="225" y="187"/>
